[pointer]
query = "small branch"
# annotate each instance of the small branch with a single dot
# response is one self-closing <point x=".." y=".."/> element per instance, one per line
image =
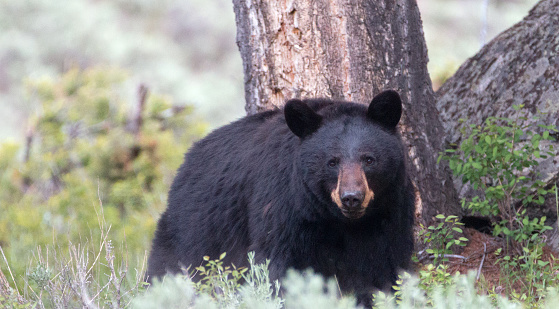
<point x="80" y="274"/>
<point x="28" y="142"/>
<point x="482" y="260"/>
<point x="117" y="282"/>
<point x="138" y="119"/>
<point x="557" y="204"/>
<point x="338" y="284"/>
<point x="452" y="256"/>
<point x="9" y="270"/>
<point x="432" y="256"/>
<point x="26" y="183"/>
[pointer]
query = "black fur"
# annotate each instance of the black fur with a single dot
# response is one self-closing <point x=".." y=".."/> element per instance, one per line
<point x="255" y="185"/>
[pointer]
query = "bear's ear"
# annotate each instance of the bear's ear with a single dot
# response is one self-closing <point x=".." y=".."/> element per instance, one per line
<point x="386" y="109"/>
<point x="300" y="118"/>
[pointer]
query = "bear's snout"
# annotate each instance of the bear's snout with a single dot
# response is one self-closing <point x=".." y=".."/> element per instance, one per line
<point x="352" y="194"/>
<point x="352" y="199"/>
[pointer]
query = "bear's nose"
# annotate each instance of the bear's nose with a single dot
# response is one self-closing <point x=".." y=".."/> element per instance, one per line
<point x="352" y="199"/>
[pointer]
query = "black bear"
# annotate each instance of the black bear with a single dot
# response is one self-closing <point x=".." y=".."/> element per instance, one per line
<point x="321" y="184"/>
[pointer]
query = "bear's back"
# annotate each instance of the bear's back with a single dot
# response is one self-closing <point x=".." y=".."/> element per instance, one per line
<point x="233" y="167"/>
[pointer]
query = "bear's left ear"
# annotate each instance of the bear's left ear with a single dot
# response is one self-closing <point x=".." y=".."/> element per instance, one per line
<point x="300" y="118"/>
<point x="386" y="109"/>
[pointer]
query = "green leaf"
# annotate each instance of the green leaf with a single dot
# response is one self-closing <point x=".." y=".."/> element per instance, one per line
<point x="459" y="168"/>
<point x="542" y="263"/>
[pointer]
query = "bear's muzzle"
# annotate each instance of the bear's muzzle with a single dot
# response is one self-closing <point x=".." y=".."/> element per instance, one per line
<point x="352" y="193"/>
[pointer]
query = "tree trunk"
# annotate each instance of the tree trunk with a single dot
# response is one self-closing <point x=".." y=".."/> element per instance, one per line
<point x="349" y="50"/>
<point x="520" y="66"/>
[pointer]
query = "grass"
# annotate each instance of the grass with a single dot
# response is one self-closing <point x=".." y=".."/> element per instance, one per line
<point x="87" y="274"/>
<point x="91" y="275"/>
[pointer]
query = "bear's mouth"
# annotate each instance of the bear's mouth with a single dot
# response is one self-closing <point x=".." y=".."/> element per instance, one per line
<point x="353" y="213"/>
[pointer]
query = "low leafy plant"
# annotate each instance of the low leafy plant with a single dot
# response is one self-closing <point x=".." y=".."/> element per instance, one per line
<point x="499" y="158"/>
<point x="454" y="291"/>
<point x="441" y="237"/>
<point x="538" y="275"/>
<point x="432" y="276"/>
<point x="258" y="286"/>
<point x="219" y="281"/>
<point x="495" y="159"/>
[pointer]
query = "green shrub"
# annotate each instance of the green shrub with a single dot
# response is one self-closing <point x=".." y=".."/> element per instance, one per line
<point x="441" y="237"/>
<point x="500" y="159"/>
<point x="89" y="157"/>
<point x="494" y="158"/>
<point x="218" y="280"/>
<point x="458" y="292"/>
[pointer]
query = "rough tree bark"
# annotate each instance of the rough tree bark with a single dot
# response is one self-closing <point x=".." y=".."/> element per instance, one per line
<point x="351" y="50"/>
<point x="520" y="66"/>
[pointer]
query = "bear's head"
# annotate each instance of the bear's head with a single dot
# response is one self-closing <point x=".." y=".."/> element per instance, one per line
<point x="350" y="155"/>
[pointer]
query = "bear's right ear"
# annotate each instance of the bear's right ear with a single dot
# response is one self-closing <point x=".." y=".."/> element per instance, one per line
<point x="386" y="109"/>
<point x="300" y="118"/>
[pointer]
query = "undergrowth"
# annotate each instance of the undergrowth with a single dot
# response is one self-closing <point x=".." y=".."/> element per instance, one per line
<point x="99" y="264"/>
<point x="67" y="283"/>
<point x="499" y="160"/>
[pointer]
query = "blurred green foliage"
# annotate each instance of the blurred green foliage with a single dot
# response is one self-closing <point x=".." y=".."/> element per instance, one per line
<point x="85" y="166"/>
<point x="185" y="49"/>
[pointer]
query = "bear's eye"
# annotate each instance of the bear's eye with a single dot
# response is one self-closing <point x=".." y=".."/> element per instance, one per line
<point x="333" y="162"/>
<point x="369" y="160"/>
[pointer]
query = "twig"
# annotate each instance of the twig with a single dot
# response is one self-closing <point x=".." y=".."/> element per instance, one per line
<point x="482" y="260"/>
<point x="9" y="270"/>
<point x="138" y="119"/>
<point x="28" y="142"/>
<point x="117" y="282"/>
<point x="556" y="204"/>
<point x="452" y="256"/>
<point x="103" y="241"/>
<point x="82" y="276"/>
<point x="338" y="284"/>
<point x="104" y="231"/>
